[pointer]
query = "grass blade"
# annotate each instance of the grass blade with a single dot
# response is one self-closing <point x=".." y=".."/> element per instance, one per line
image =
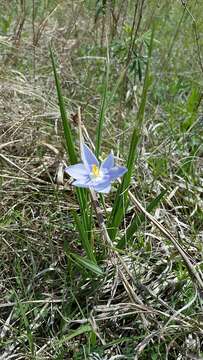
<point x="66" y="126"/>
<point x="82" y="198"/>
<point x="139" y="219"/>
<point x="87" y="264"/>
<point x="87" y="246"/>
<point x="83" y="329"/>
<point x="103" y="107"/>
<point x="121" y="196"/>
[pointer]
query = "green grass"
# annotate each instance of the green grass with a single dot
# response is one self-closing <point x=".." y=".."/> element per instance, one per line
<point x="64" y="293"/>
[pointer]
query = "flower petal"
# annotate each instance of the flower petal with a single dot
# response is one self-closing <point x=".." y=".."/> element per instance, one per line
<point x="108" y="163"/>
<point x="106" y="190"/>
<point x="77" y="171"/>
<point x="101" y="185"/>
<point x="83" y="183"/>
<point x="116" y="171"/>
<point x="88" y="157"/>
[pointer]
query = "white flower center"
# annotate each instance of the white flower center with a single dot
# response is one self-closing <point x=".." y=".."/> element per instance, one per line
<point x="96" y="173"/>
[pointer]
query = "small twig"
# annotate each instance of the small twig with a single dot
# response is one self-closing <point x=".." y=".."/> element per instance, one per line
<point x="9" y="143"/>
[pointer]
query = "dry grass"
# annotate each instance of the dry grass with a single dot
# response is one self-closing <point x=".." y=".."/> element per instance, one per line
<point x="149" y="307"/>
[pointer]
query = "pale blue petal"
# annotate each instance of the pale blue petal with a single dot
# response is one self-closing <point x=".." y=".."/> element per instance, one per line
<point x="104" y="180"/>
<point x="108" y="163"/>
<point x="100" y="186"/>
<point x="106" y="190"/>
<point x="77" y="171"/>
<point x="83" y="183"/>
<point x="116" y="172"/>
<point x="88" y="157"/>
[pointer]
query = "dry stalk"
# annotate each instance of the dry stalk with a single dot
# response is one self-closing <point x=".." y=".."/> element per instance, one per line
<point x="114" y="255"/>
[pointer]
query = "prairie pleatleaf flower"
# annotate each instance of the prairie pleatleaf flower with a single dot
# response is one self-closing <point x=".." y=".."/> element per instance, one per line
<point x="90" y="174"/>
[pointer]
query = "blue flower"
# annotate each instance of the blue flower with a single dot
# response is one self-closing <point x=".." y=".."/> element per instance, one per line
<point x="90" y="174"/>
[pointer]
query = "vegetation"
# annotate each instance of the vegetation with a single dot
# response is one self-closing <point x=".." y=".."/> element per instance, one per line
<point x="86" y="275"/>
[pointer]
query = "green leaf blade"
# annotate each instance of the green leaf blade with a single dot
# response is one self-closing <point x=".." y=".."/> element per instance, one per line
<point x="139" y="219"/>
<point x="119" y="207"/>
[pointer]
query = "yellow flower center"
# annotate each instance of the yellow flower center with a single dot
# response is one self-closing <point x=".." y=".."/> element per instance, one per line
<point x="95" y="170"/>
